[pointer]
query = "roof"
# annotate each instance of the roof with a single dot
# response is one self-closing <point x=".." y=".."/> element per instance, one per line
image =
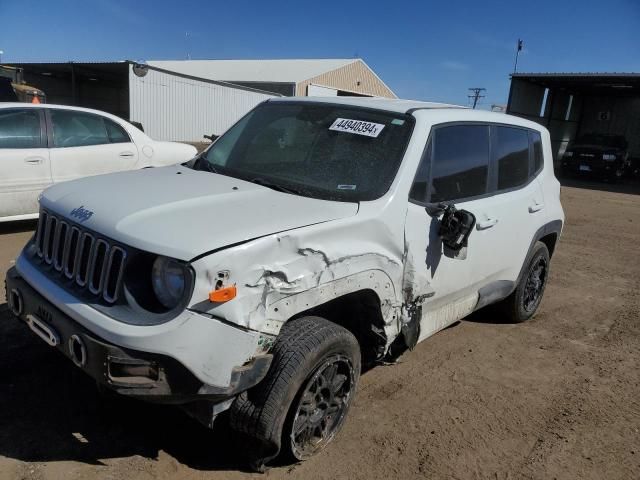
<point x="611" y="75"/>
<point x="60" y="107"/>
<point x="280" y="71"/>
<point x="389" y="104"/>
<point x="433" y="112"/>
<point x="615" y="83"/>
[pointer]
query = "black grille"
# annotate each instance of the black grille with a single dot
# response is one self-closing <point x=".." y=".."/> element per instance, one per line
<point x="92" y="263"/>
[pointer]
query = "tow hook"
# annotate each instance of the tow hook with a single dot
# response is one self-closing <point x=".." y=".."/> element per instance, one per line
<point x="43" y="330"/>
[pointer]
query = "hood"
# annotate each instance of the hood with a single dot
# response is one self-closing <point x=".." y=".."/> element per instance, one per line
<point x="183" y="213"/>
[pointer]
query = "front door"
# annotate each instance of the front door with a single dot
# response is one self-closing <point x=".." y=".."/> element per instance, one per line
<point x="24" y="161"/>
<point x="455" y="169"/>
<point x="87" y="144"/>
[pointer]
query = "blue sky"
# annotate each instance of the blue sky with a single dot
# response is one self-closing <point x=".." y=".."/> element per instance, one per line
<point x="427" y="50"/>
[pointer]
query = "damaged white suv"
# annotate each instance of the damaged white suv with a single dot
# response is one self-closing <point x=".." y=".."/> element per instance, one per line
<point x="314" y="236"/>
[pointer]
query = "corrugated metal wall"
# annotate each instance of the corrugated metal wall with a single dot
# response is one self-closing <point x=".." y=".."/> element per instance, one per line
<point x="347" y="78"/>
<point x="173" y="107"/>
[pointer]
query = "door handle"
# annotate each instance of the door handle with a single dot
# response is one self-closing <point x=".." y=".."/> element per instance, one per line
<point x="34" y="160"/>
<point x="536" y="207"/>
<point x="126" y="154"/>
<point x="488" y="223"/>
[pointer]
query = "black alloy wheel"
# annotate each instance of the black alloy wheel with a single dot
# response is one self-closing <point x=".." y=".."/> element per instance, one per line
<point x="322" y="406"/>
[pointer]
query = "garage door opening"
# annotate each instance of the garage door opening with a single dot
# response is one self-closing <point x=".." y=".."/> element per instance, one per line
<point x="102" y="86"/>
<point x="573" y="105"/>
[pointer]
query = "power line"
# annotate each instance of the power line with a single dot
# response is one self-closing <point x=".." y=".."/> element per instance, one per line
<point x="476" y="95"/>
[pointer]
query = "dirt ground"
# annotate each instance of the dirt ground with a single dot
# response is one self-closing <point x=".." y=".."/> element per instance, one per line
<point x="556" y="397"/>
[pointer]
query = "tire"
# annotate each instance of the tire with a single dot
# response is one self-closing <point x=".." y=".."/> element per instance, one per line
<point x="304" y="353"/>
<point x="520" y="306"/>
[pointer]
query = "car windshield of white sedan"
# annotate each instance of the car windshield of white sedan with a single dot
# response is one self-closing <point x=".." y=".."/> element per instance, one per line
<point x="332" y="152"/>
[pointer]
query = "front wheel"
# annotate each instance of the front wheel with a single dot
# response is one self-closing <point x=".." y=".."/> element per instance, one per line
<point x="525" y="299"/>
<point x="303" y="401"/>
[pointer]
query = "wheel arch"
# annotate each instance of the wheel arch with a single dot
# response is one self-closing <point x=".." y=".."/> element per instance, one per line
<point x="501" y="289"/>
<point x="363" y="303"/>
<point x="360" y="312"/>
<point x="547" y="234"/>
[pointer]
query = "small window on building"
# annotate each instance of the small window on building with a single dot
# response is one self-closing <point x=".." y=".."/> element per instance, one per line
<point x="536" y="140"/>
<point x="116" y="133"/>
<point x="543" y="106"/>
<point x="567" y="115"/>
<point x="511" y="147"/>
<point x="77" y="129"/>
<point x="20" y="128"/>
<point x="460" y="162"/>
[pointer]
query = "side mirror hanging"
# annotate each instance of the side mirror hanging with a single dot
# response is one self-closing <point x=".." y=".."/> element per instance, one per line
<point x="455" y="225"/>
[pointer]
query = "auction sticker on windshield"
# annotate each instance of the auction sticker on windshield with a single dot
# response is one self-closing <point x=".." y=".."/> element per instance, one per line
<point x="358" y="127"/>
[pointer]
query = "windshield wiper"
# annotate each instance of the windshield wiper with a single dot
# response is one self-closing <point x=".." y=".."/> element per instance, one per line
<point x="275" y="186"/>
<point x="203" y="164"/>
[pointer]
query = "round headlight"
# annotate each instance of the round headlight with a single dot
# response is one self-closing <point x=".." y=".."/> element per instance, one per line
<point x="168" y="278"/>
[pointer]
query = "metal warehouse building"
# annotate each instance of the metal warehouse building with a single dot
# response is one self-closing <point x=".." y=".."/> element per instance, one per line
<point x="574" y="104"/>
<point x="169" y="105"/>
<point x="323" y="77"/>
<point x="186" y="99"/>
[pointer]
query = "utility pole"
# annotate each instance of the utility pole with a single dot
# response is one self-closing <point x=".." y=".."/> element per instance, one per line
<point x="515" y="66"/>
<point x="475" y="94"/>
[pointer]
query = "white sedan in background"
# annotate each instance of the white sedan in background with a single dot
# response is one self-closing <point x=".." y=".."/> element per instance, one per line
<point x="45" y="144"/>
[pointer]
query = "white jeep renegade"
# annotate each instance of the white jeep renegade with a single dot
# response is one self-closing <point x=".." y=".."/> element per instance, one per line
<point x="315" y="236"/>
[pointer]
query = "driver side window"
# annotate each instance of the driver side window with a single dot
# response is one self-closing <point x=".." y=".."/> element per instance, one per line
<point x="77" y="129"/>
<point x="455" y="165"/>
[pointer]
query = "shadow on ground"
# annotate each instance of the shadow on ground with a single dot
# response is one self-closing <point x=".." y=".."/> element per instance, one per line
<point x="17" y="227"/>
<point x="631" y="186"/>
<point x="50" y="411"/>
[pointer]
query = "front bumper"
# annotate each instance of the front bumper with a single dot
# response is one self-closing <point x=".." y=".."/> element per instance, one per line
<point x="597" y="168"/>
<point x="145" y="375"/>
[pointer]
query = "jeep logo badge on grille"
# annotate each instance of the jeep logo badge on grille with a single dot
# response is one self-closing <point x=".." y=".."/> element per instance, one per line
<point x="81" y="213"/>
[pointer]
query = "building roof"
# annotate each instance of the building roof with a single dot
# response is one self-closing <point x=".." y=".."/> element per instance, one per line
<point x="390" y="104"/>
<point x="286" y="71"/>
<point x="614" y="83"/>
<point x="611" y="75"/>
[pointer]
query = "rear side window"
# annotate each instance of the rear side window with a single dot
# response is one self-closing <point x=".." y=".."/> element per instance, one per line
<point x="511" y="150"/>
<point x="20" y="128"/>
<point x="77" y="129"/>
<point x="460" y="162"/>
<point x="116" y="133"/>
<point x="537" y="151"/>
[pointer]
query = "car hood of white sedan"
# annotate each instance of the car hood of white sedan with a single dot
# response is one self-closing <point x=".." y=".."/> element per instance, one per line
<point x="183" y="213"/>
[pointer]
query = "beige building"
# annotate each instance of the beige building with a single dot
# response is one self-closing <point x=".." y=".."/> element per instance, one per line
<point x="321" y="77"/>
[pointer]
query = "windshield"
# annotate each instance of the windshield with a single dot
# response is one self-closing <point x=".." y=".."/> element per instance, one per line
<point x="616" y="141"/>
<point x="324" y="151"/>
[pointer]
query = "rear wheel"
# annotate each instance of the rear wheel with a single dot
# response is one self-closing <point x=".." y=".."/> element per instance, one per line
<point x="302" y="403"/>
<point x="524" y="301"/>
